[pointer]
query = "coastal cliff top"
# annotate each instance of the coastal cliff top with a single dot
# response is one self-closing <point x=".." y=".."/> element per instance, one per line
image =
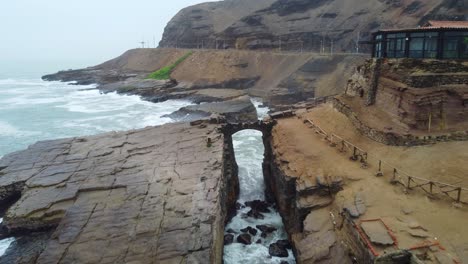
<point x="148" y="194"/>
<point x="412" y="216"/>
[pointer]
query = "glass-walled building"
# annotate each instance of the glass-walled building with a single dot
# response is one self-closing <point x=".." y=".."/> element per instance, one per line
<point x="436" y="40"/>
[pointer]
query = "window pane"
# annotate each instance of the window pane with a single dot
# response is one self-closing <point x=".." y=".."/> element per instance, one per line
<point x="464" y="51"/>
<point x="432" y="34"/>
<point x="430" y="49"/>
<point x="451" y="48"/>
<point x="416" y="48"/>
<point x="417" y="34"/>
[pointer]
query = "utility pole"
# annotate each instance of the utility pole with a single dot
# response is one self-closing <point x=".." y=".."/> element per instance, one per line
<point x="331" y="47"/>
<point x="154" y="41"/>
<point x="280" y="44"/>
<point x="357" y="41"/>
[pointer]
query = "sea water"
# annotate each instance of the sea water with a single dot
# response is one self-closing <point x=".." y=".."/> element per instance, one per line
<point x="249" y="152"/>
<point x="33" y="110"/>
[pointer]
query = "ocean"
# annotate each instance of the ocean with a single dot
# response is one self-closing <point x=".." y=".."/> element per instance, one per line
<point x="33" y="110"/>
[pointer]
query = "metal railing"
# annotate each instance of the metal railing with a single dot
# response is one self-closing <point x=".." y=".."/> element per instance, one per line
<point x="316" y="45"/>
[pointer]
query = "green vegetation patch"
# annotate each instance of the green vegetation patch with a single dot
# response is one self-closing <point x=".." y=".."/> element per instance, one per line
<point x="165" y="72"/>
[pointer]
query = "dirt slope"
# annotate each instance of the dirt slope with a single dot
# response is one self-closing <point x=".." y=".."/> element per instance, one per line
<point x="279" y="77"/>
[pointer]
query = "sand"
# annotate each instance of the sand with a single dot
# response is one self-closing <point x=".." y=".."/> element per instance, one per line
<point x="439" y="220"/>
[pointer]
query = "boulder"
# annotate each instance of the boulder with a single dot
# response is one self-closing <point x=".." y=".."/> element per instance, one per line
<point x="228" y="239"/>
<point x="278" y="250"/>
<point x="244" y="239"/>
<point x="255" y="214"/>
<point x="266" y="228"/>
<point x="284" y="243"/>
<point x="260" y="206"/>
<point x="231" y="231"/>
<point x="250" y="230"/>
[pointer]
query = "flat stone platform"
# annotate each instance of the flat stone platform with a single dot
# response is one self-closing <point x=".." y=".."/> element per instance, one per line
<point x="153" y="195"/>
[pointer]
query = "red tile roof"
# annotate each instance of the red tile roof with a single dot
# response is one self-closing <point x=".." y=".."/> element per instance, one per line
<point x="447" y="24"/>
<point x="433" y="24"/>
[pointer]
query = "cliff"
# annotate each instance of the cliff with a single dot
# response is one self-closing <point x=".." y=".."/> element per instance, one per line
<point x="218" y="75"/>
<point x="299" y="24"/>
<point x="422" y="99"/>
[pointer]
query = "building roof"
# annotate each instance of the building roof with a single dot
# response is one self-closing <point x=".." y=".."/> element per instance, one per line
<point x="447" y="24"/>
<point x="431" y="25"/>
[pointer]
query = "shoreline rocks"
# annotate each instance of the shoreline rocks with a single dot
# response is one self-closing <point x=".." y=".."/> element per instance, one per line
<point x="155" y="193"/>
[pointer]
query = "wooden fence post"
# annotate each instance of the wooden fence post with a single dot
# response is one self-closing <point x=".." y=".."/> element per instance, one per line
<point x="459" y="195"/>
<point x="394" y="181"/>
<point x="354" y="157"/>
<point x="379" y="173"/>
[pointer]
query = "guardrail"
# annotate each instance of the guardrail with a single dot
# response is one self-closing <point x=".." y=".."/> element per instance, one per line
<point x="432" y="188"/>
<point x="279" y="45"/>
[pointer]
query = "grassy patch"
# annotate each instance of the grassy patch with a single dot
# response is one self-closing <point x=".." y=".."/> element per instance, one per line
<point x="165" y="72"/>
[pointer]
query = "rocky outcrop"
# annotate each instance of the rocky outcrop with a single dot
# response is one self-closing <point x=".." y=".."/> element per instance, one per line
<point x="234" y="111"/>
<point x="423" y="97"/>
<point x="299" y="24"/>
<point x="304" y="206"/>
<point x="159" y="193"/>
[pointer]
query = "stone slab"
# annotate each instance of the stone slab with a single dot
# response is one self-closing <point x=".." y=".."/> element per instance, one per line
<point x="377" y="233"/>
<point x="151" y="195"/>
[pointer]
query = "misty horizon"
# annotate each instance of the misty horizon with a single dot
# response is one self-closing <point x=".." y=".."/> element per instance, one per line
<point x="82" y="32"/>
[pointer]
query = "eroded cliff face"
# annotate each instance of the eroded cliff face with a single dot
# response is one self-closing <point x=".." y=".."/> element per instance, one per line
<point x="419" y="96"/>
<point x="304" y="206"/>
<point x="299" y="24"/>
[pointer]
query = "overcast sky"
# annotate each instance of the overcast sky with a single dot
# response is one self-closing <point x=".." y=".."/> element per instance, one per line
<point x="87" y="30"/>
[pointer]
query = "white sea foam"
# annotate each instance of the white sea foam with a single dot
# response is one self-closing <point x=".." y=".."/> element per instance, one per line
<point x="249" y="152"/>
<point x="5" y="243"/>
<point x="32" y="110"/>
<point x="262" y="111"/>
<point x="7" y="129"/>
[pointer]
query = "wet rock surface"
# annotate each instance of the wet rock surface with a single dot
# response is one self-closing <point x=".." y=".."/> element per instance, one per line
<point x="250" y="230"/>
<point x="228" y="239"/>
<point x="278" y="250"/>
<point x="150" y="195"/>
<point x="234" y="111"/>
<point x="245" y="239"/>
